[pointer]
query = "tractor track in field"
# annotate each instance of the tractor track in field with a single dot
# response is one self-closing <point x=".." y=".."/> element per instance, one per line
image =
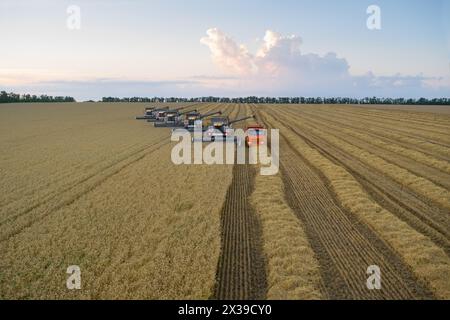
<point x="379" y="134"/>
<point x="418" y="168"/>
<point x="241" y="269"/>
<point x="441" y="119"/>
<point x="422" y="125"/>
<point x="369" y="131"/>
<point x="405" y="133"/>
<point x="415" y="130"/>
<point x="344" y="246"/>
<point x="241" y="273"/>
<point x="419" y="214"/>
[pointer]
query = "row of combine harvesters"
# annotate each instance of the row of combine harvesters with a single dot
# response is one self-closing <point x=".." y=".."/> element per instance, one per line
<point x="218" y="128"/>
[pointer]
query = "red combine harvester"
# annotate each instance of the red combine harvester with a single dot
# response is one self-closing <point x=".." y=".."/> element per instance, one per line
<point x="255" y="135"/>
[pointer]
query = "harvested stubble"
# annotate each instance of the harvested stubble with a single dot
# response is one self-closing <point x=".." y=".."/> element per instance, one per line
<point x="376" y="127"/>
<point x="428" y="262"/>
<point x="418" y="156"/>
<point x="434" y="123"/>
<point x="419" y="185"/>
<point x="401" y="126"/>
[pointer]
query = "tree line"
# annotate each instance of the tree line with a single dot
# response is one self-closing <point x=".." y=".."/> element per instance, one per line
<point x="6" y="97"/>
<point x="290" y="100"/>
<point x="9" y="97"/>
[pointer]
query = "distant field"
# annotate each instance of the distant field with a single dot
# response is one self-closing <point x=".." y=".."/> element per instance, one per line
<point x="438" y="110"/>
<point x="86" y="184"/>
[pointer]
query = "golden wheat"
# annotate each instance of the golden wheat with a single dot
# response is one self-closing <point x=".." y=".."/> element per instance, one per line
<point x="293" y="271"/>
<point x="139" y="228"/>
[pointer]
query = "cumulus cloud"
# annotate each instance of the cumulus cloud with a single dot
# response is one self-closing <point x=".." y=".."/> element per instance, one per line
<point x="226" y="53"/>
<point x="280" y="67"/>
<point x="278" y="56"/>
<point x="277" y="52"/>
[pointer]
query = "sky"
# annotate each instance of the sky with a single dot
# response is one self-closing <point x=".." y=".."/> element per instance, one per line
<point x="225" y="48"/>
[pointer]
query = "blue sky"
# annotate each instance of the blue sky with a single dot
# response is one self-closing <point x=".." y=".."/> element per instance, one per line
<point x="148" y="48"/>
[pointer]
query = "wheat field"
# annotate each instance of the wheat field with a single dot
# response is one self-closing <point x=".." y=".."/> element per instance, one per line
<point x="86" y="184"/>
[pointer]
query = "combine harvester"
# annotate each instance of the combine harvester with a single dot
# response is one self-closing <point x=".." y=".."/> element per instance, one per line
<point x="192" y="117"/>
<point x="151" y="112"/>
<point x="173" y="119"/>
<point x="147" y="113"/>
<point x="221" y="129"/>
<point x="160" y="114"/>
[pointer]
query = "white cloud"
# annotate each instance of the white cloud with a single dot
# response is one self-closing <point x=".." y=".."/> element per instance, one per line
<point x="280" y="67"/>
<point x="277" y="52"/>
<point x="279" y="57"/>
<point x="228" y="55"/>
